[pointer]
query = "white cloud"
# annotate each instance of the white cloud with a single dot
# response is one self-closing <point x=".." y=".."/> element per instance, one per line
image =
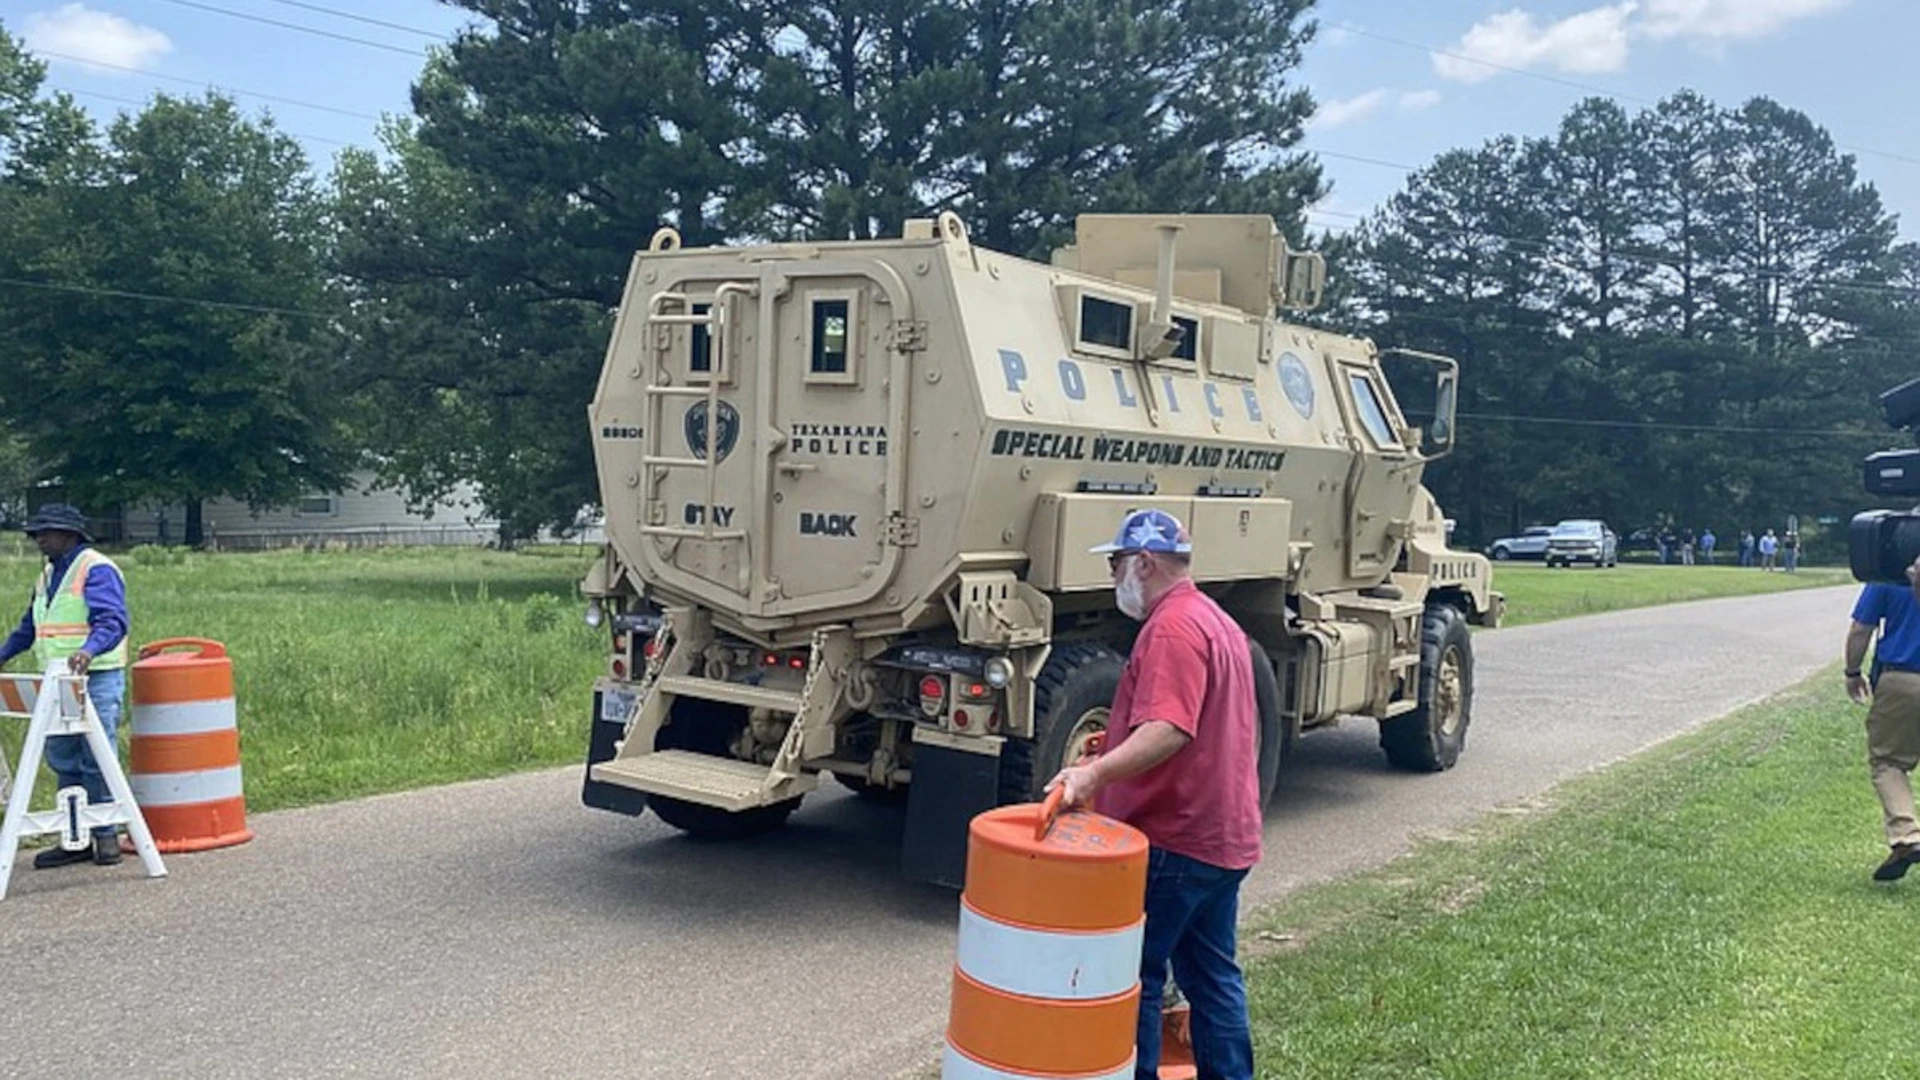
<point x="96" y="36"/>
<point x="1415" y="100"/>
<point x="1726" y="20"/>
<point x="1333" y="37"/>
<point x="1598" y="40"/>
<point x="1588" y="43"/>
<point x="1334" y="114"/>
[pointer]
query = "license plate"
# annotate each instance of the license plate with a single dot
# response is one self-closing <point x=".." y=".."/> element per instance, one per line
<point x="617" y="705"/>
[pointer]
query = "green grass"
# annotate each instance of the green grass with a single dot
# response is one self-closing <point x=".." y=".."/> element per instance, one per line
<point x="1701" y="911"/>
<point x="358" y="673"/>
<point x="368" y="672"/>
<point x="1537" y="594"/>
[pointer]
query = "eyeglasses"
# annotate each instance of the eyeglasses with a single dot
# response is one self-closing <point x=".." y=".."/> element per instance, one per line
<point x="1115" y="558"/>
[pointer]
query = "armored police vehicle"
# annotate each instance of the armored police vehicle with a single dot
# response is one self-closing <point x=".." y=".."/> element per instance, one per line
<point x="850" y="490"/>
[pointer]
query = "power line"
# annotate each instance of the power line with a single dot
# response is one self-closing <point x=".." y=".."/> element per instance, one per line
<point x="338" y="14"/>
<point x="1400" y="165"/>
<point x="284" y="25"/>
<point x="1468" y="328"/>
<point x="202" y="85"/>
<point x="127" y="294"/>
<point x="116" y="99"/>
<point x="1648" y="260"/>
<point x="268" y="309"/>
<point x="1583" y="87"/>
<point x="1660" y="425"/>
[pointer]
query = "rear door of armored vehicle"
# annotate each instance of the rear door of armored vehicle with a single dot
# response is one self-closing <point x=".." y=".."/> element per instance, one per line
<point x="791" y="512"/>
<point x="838" y="408"/>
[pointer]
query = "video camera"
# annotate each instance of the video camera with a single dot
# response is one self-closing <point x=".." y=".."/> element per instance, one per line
<point x="1881" y="544"/>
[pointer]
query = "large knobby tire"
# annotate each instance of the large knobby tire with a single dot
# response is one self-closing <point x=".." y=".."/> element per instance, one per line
<point x="707" y="727"/>
<point x="1430" y="738"/>
<point x="1275" y="734"/>
<point x="1071" y="700"/>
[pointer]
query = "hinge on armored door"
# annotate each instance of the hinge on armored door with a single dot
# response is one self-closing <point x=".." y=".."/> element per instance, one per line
<point x="909" y="336"/>
<point x="902" y="531"/>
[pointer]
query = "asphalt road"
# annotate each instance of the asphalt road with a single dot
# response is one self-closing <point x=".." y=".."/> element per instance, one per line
<point x="500" y="929"/>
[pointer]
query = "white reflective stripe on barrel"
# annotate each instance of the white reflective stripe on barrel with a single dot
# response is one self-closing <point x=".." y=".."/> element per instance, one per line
<point x="176" y="789"/>
<point x="959" y="1066"/>
<point x="1048" y="964"/>
<point x="19" y="694"/>
<point x="183" y="718"/>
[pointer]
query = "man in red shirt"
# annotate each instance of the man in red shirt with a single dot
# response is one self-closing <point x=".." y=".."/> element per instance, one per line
<point x="1181" y="766"/>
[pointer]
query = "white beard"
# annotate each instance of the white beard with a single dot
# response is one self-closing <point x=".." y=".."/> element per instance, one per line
<point x="1130" y="595"/>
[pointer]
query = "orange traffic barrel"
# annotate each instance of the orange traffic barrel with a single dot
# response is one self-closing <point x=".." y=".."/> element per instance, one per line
<point x="1047" y="980"/>
<point x="185" y="760"/>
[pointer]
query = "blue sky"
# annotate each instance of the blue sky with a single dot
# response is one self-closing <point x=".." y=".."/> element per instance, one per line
<point x="1847" y="63"/>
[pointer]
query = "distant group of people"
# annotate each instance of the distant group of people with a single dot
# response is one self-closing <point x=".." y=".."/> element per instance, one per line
<point x="1767" y="551"/>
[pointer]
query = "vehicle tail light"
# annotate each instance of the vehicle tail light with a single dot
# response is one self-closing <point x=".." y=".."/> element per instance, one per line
<point x="933" y="695"/>
<point x="961" y="720"/>
<point x="769" y="660"/>
<point x="797" y="663"/>
<point x="649" y="648"/>
<point x="619" y="667"/>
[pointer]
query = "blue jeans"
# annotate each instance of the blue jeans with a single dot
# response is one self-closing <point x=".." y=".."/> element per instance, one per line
<point x="1192" y="923"/>
<point x="69" y="756"/>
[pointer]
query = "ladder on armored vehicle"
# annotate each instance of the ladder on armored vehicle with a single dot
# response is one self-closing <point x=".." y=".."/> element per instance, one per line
<point x="706" y="458"/>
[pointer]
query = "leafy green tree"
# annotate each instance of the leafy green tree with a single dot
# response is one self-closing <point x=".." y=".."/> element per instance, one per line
<point x="186" y="350"/>
<point x="1680" y="315"/>
<point x="487" y="251"/>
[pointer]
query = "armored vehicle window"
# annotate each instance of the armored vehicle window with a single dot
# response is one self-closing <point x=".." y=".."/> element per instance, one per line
<point x="832" y="331"/>
<point x="701" y="358"/>
<point x="1106" y="323"/>
<point x="1189" y="349"/>
<point x="1372" y="413"/>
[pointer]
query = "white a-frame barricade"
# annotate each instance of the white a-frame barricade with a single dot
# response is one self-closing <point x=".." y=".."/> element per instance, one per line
<point x="57" y="704"/>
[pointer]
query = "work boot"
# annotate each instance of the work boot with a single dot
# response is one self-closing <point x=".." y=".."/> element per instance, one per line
<point x="106" y="849"/>
<point x="56" y="856"/>
<point x="1898" y="859"/>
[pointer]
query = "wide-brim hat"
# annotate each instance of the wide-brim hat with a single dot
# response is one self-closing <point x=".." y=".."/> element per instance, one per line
<point x="58" y="517"/>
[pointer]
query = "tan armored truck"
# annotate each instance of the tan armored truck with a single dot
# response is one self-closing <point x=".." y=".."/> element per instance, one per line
<point x="850" y="490"/>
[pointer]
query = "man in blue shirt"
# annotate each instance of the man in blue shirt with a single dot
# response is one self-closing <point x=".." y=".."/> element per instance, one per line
<point x="1893" y="721"/>
<point x="82" y="622"/>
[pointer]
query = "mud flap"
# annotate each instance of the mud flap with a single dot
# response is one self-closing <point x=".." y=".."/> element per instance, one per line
<point x="600" y="747"/>
<point x="949" y="788"/>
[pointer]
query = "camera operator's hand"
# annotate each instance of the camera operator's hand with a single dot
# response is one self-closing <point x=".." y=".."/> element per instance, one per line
<point x="1857" y="689"/>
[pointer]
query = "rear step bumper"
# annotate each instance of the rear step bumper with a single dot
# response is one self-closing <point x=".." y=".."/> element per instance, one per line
<point x="701" y="778"/>
<point x="753" y="697"/>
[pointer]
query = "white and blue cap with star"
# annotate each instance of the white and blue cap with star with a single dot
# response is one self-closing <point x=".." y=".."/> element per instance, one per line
<point x="1148" y="530"/>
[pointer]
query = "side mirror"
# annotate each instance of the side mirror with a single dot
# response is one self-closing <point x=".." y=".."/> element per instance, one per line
<point x="1440" y="432"/>
<point x="1303" y="280"/>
